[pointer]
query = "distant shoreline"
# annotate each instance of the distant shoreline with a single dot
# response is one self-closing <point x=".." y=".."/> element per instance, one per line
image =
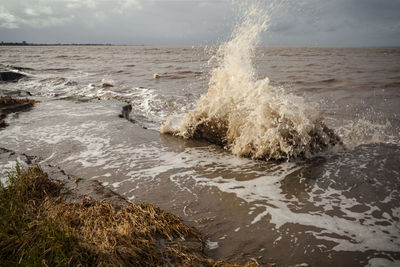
<point x="153" y="45"/>
<point x="58" y="44"/>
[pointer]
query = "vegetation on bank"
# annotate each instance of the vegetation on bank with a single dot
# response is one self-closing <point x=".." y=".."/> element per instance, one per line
<point x="10" y="105"/>
<point x="24" y="43"/>
<point x="39" y="228"/>
<point x="8" y="101"/>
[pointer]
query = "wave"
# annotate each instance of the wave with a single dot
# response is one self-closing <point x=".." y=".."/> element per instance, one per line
<point x="329" y="80"/>
<point x="19" y="68"/>
<point x="58" y="69"/>
<point x="107" y="83"/>
<point x="149" y="108"/>
<point x="250" y="117"/>
<point x="392" y="85"/>
<point x="179" y="74"/>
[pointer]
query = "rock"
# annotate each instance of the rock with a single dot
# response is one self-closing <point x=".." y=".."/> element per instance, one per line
<point x="125" y="114"/>
<point x="3" y="124"/>
<point x="126" y="110"/>
<point x="106" y="84"/>
<point x="10" y="76"/>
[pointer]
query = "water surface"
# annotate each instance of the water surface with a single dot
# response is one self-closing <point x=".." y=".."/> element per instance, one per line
<point x="338" y="208"/>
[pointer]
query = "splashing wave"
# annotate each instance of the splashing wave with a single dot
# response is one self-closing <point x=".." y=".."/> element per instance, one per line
<point x="248" y="116"/>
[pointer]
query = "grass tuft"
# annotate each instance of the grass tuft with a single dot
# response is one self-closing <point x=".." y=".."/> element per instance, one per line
<point x="8" y="101"/>
<point x="27" y="237"/>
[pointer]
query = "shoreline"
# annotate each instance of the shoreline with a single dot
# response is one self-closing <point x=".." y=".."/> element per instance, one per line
<point x="178" y="243"/>
<point x="107" y="231"/>
<point x="185" y="247"/>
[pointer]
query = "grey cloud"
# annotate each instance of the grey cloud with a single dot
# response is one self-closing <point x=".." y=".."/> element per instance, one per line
<point x="186" y="22"/>
<point x="7" y="20"/>
<point x="337" y="23"/>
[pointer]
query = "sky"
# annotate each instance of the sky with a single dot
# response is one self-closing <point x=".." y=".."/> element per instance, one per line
<point x="198" y="22"/>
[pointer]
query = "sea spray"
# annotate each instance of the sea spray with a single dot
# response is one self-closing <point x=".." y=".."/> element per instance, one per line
<point x="250" y="117"/>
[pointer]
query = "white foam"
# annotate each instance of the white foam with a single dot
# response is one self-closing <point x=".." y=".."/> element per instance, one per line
<point x="212" y="245"/>
<point x="8" y="167"/>
<point x="362" y="132"/>
<point x="352" y="233"/>
<point x="383" y="262"/>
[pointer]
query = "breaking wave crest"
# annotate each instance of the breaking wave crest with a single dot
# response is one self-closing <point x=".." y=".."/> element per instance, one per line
<point x="247" y="116"/>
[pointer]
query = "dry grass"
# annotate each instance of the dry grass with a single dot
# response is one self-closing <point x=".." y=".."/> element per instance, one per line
<point x="38" y="228"/>
<point x="9" y="105"/>
<point x="129" y="235"/>
<point x="8" y="101"/>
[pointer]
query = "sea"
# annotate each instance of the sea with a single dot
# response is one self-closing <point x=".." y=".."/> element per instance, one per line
<point x="305" y="166"/>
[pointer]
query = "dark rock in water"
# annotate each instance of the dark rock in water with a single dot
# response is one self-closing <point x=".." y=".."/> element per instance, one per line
<point x="213" y="132"/>
<point x="126" y="110"/>
<point x="10" y="76"/>
<point x="320" y="138"/>
<point x="3" y="124"/>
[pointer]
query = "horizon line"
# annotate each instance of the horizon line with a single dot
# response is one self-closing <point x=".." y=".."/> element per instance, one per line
<point x="24" y="43"/>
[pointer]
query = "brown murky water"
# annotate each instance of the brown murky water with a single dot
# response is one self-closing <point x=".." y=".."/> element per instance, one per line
<point x="338" y="208"/>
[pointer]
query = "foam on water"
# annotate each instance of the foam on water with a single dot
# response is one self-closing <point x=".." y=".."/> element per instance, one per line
<point x="347" y="202"/>
<point x="149" y="107"/>
<point x="351" y="231"/>
<point x="248" y="116"/>
<point x="330" y="215"/>
<point x="7" y="167"/>
<point x="363" y="131"/>
<point x="382" y="262"/>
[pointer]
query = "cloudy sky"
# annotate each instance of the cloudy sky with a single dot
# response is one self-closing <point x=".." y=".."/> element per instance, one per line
<point x="198" y="22"/>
